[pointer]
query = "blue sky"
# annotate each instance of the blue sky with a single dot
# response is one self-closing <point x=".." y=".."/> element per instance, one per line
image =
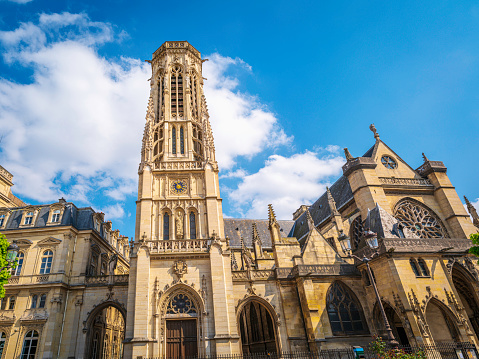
<point x="289" y="85"/>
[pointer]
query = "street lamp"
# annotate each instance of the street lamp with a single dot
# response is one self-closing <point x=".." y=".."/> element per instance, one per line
<point x="371" y="239"/>
<point x="12" y="252"/>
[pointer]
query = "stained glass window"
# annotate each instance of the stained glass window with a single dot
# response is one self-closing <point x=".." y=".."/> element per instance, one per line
<point x="181" y="304"/>
<point x="420" y="220"/>
<point x="344" y="311"/>
<point x="166" y="226"/>
<point x="192" y="225"/>
<point x="182" y="141"/>
<point x="173" y="140"/>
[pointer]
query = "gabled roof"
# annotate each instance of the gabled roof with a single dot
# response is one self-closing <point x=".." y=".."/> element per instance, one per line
<point x="245" y="229"/>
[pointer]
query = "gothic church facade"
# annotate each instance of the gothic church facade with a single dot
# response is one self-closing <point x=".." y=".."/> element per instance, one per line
<point x="201" y="284"/>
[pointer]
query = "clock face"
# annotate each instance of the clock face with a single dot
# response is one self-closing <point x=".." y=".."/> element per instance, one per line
<point x="178" y="187"/>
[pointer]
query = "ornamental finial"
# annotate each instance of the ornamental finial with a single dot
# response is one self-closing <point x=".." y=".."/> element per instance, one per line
<point x="347" y="154"/>
<point x="472" y="211"/>
<point x="373" y="129"/>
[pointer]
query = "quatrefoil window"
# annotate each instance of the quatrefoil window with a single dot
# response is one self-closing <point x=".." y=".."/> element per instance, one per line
<point x="181" y="304"/>
<point x="389" y="162"/>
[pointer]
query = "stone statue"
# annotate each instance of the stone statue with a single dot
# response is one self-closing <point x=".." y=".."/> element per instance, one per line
<point x="112" y="264"/>
<point x="179" y="226"/>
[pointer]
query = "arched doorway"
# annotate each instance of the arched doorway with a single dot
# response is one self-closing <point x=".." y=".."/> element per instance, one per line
<point x="105" y="333"/>
<point x="464" y="287"/>
<point x="257" y="329"/>
<point x="181" y="312"/>
<point x="441" y="322"/>
<point x="395" y="322"/>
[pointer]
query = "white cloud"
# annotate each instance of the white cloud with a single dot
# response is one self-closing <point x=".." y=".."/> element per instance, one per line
<point x="286" y="182"/>
<point x="19" y="1"/>
<point x="239" y="173"/>
<point x="242" y="126"/>
<point x="113" y="212"/>
<point x="78" y="125"/>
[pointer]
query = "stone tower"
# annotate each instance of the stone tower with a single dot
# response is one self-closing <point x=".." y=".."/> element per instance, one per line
<point x="180" y="274"/>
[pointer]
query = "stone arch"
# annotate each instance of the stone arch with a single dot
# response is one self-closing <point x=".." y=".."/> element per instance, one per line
<point x="441" y="322"/>
<point x="90" y="328"/>
<point x="466" y="288"/>
<point x="269" y="335"/>
<point x="419" y="219"/>
<point x="169" y="315"/>
<point x="399" y="325"/>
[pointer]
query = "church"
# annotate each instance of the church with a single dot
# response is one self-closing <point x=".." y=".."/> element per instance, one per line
<point x="195" y="284"/>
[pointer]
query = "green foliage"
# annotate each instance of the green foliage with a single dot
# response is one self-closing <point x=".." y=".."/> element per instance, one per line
<point x="379" y="347"/>
<point x="475" y="248"/>
<point x="4" y="274"/>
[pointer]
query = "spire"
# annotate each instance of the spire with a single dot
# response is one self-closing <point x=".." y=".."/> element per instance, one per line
<point x="332" y="203"/>
<point x="271" y="216"/>
<point x="373" y="129"/>
<point x="472" y="212"/>
<point x="424" y="157"/>
<point x="347" y="154"/>
<point x="310" y="220"/>
<point x="255" y="233"/>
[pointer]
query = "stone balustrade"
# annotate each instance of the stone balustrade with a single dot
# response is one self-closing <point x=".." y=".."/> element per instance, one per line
<point x="178" y="246"/>
<point x="405" y="181"/>
<point x="174" y="166"/>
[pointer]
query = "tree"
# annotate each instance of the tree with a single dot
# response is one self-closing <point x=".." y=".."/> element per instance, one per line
<point x="5" y="273"/>
<point x="380" y="348"/>
<point x="475" y="248"/>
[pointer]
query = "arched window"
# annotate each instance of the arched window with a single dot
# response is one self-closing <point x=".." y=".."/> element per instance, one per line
<point x="414" y="267"/>
<point x="257" y="329"/>
<point x="176" y="91"/>
<point x="3" y="337"/>
<point x="43" y="299"/>
<point x="356" y="232"/>
<point x="56" y="216"/>
<point x="173" y="140"/>
<point x="192" y="225"/>
<point x="93" y="264"/>
<point x="423" y="267"/>
<point x="18" y="269"/>
<point x="344" y="311"/>
<point x="105" y="347"/>
<point x="182" y="141"/>
<point x="30" y="344"/>
<point x="419" y="219"/>
<point x="166" y="226"/>
<point x="33" y="304"/>
<point x="47" y="259"/>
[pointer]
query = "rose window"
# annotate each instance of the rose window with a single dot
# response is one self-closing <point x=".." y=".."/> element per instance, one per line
<point x="180" y="304"/>
<point x="389" y="162"/>
<point x="420" y="220"/>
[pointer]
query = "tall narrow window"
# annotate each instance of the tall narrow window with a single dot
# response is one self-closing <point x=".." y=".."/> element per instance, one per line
<point x="423" y="267"/>
<point x="3" y="337"/>
<point x="28" y="218"/>
<point x="18" y="269"/>
<point x="105" y="347"/>
<point x="56" y="216"/>
<point x="33" y="305"/>
<point x="166" y="226"/>
<point x="173" y="140"/>
<point x="192" y="225"/>
<point x="47" y="259"/>
<point x="159" y="112"/>
<point x="3" y="303"/>
<point x="176" y="91"/>
<point x="96" y="339"/>
<point x="2" y="221"/>
<point x="11" y="304"/>
<point x="414" y="267"/>
<point x="182" y="141"/>
<point x="43" y="299"/>
<point x="30" y="344"/>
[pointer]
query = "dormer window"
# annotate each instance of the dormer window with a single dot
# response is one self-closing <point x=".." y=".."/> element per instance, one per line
<point x="28" y="218"/>
<point x="97" y="226"/>
<point x="2" y="220"/>
<point x="56" y="216"/>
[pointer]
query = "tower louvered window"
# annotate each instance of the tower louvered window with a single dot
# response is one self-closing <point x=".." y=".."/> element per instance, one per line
<point x="173" y="140"/>
<point x="161" y="100"/>
<point x="182" y="141"/>
<point x="356" y="231"/>
<point x="176" y="92"/>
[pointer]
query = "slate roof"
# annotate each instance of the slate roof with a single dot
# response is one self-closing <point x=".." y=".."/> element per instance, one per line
<point x="80" y="218"/>
<point x="245" y="227"/>
<point x="342" y="194"/>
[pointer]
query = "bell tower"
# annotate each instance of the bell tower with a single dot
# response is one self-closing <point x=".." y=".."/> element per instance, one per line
<point x="178" y="194"/>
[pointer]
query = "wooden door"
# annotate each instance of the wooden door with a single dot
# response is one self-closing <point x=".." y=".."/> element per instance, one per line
<point x="181" y="341"/>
